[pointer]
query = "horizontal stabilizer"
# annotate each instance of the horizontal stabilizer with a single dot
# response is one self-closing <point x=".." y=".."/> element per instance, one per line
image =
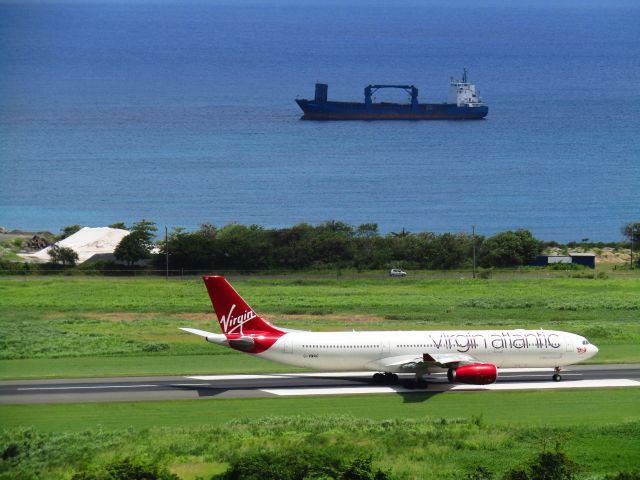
<point x="216" y="338"/>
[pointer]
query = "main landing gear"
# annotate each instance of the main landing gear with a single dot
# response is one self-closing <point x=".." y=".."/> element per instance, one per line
<point x="418" y="382"/>
<point x="556" y="376"/>
<point x="385" y="378"/>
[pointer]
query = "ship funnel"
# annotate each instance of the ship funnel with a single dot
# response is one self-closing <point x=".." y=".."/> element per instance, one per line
<point x="322" y="90"/>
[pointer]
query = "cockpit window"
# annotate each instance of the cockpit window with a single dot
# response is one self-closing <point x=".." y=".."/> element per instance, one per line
<point x="585" y="342"/>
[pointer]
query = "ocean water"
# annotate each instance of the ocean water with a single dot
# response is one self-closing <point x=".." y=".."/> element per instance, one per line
<point x="183" y="113"/>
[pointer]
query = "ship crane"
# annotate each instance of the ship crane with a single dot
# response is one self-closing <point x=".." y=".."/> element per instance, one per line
<point x="371" y="89"/>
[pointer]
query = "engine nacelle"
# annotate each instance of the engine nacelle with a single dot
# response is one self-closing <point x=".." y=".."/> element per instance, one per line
<point x="476" y="374"/>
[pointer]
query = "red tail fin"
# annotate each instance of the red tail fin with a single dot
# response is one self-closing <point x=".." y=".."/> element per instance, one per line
<point x="234" y="315"/>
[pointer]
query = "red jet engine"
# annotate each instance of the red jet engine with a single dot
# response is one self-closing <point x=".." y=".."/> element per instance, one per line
<point x="476" y="374"/>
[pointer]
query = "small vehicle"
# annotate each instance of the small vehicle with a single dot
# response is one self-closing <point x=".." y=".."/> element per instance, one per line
<point x="396" y="272"/>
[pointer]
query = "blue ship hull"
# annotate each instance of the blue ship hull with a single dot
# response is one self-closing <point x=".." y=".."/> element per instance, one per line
<point x="329" y="110"/>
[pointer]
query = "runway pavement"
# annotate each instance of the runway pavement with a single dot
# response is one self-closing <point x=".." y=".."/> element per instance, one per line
<point x="295" y="384"/>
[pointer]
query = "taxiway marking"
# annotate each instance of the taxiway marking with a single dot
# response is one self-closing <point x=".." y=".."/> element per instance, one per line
<point x="95" y="387"/>
<point x="434" y="387"/>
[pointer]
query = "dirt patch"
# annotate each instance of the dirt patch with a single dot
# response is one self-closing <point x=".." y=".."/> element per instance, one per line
<point x="275" y="318"/>
<point x="209" y="317"/>
<point x="197" y="317"/>
<point x="325" y="318"/>
<point x="121" y="316"/>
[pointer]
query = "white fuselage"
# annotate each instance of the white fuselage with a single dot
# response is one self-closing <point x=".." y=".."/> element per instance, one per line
<point x="388" y="351"/>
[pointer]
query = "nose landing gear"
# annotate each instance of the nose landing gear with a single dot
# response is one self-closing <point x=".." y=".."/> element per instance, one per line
<point x="556" y="376"/>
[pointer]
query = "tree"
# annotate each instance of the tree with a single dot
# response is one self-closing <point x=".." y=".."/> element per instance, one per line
<point x="367" y="230"/>
<point x="145" y="229"/>
<point x="63" y="255"/>
<point x="138" y="244"/>
<point x="196" y="251"/>
<point x="209" y="230"/>
<point x="68" y="231"/>
<point x="447" y="250"/>
<point x="510" y="249"/>
<point x="119" y="225"/>
<point x="632" y="232"/>
<point x="242" y="247"/>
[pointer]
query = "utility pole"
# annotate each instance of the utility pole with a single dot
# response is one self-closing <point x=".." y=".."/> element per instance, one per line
<point x="166" y="251"/>
<point x="473" y="239"/>
<point x="633" y="236"/>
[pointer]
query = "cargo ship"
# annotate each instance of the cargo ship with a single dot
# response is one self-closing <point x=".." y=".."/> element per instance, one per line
<point x="464" y="103"/>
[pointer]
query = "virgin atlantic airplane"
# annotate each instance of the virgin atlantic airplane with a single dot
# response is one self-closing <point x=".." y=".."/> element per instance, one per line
<point x="468" y="356"/>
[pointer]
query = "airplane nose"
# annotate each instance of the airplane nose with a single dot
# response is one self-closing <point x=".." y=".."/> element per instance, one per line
<point x="594" y="350"/>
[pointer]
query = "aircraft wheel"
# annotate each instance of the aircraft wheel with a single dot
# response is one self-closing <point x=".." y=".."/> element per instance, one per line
<point x="391" y="378"/>
<point x="451" y="375"/>
<point x="556" y="377"/>
<point x="378" y="378"/>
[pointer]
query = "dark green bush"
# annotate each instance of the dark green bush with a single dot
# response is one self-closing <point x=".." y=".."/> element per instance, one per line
<point x="127" y="469"/>
<point x="297" y="465"/>
<point x="546" y="466"/>
<point x="624" y="476"/>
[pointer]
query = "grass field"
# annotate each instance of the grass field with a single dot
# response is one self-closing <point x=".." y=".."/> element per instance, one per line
<point x="96" y="326"/>
<point x="82" y="327"/>
<point x="413" y="436"/>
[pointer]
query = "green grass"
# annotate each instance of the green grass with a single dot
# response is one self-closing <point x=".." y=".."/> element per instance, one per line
<point x="81" y="367"/>
<point x="561" y="408"/>
<point x="130" y="326"/>
<point x="413" y="435"/>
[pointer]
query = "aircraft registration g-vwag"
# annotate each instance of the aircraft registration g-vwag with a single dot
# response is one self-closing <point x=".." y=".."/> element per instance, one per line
<point x="468" y="356"/>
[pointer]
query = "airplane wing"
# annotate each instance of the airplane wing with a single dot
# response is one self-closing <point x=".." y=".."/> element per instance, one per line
<point x="413" y="363"/>
<point x="446" y="360"/>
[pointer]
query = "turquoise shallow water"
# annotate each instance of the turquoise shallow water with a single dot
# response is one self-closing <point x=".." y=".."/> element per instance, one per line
<point x="183" y="113"/>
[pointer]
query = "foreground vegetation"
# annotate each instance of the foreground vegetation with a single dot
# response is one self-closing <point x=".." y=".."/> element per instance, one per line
<point x="96" y="326"/>
<point x="411" y="436"/>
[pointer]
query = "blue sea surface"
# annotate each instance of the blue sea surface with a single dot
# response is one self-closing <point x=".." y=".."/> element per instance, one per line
<point x="183" y="112"/>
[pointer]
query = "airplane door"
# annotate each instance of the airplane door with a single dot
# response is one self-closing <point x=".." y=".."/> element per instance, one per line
<point x="384" y="346"/>
<point x="569" y="343"/>
<point x="288" y="344"/>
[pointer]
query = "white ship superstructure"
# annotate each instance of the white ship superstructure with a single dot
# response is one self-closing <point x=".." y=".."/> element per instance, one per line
<point x="463" y="93"/>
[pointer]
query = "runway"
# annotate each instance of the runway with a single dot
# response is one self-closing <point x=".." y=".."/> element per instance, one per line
<point x="295" y="384"/>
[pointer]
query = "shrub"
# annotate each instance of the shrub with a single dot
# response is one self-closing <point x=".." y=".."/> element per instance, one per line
<point x="546" y="466"/>
<point x="155" y="347"/>
<point x="127" y="469"/>
<point x="623" y="476"/>
<point x="480" y="473"/>
<point x="485" y="273"/>
<point x="293" y="465"/>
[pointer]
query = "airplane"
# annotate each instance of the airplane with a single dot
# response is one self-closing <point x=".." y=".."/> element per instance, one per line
<point x="468" y="356"/>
